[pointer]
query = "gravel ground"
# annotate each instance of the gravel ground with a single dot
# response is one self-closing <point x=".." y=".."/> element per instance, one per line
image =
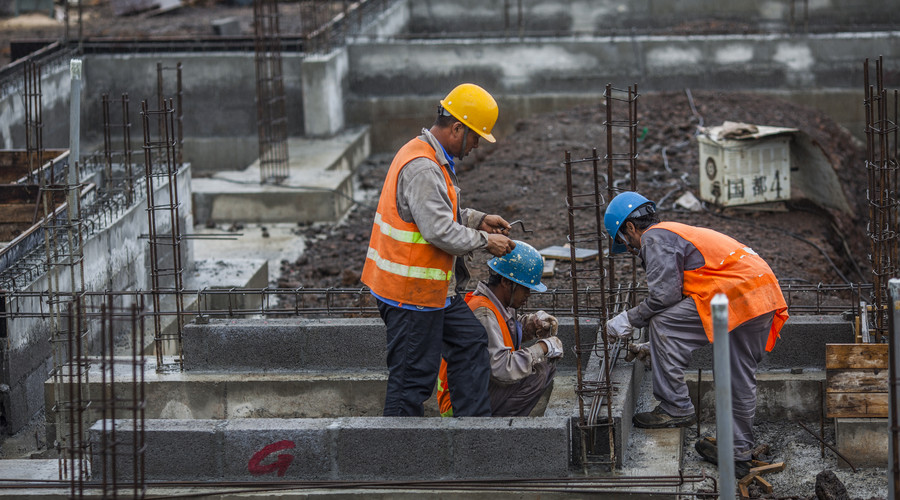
<point x="790" y="443"/>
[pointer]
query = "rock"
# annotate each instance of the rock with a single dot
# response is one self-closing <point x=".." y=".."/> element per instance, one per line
<point x="829" y="487"/>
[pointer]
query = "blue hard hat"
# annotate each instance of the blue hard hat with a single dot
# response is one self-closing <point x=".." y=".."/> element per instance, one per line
<point x="625" y="205"/>
<point x="524" y="265"/>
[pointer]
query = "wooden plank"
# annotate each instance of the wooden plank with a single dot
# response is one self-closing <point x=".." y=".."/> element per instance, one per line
<point x="773" y="467"/>
<point x="863" y="405"/>
<point x="856" y="381"/>
<point x="745" y="492"/>
<point x="856" y="356"/>
<point x="766" y="486"/>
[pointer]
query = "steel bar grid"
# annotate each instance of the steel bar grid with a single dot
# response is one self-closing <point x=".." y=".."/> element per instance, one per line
<point x="837" y="299"/>
<point x="882" y="169"/>
<point x="271" y="115"/>
<point x="164" y="242"/>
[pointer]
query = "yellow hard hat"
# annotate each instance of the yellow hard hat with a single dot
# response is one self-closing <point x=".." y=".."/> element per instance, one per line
<point x="474" y="107"/>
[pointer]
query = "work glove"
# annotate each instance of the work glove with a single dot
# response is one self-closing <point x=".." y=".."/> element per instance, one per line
<point x="554" y="347"/>
<point x="619" y="327"/>
<point x="540" y="325"/>
<point x="641" y="352"/>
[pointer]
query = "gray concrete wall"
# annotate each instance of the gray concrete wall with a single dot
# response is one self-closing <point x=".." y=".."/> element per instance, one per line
<point x="219" y="99"/>
<point x="317" y="449"/>
<point x="539" y="75"/>
<point x="115" y="258"/>
<point x="54" y="113"/>
<point x="474" y="16"/>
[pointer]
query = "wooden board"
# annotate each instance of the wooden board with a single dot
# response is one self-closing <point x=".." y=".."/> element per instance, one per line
<point x="856" y="405"/>
<point x="565" y="253"/>
<point x="856" y="356"/>
<point x="856" y="381"/>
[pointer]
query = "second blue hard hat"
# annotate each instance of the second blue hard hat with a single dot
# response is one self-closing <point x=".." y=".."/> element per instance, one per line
<point x="619" y="210"/>
<point x="524" y="265"/>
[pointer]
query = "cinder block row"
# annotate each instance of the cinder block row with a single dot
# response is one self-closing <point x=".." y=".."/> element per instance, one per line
<point x="300" y="344"/>
<point x="373" y="448"/>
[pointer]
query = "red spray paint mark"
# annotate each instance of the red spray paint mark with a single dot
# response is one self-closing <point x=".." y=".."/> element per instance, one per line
<point x="281" y="463"/>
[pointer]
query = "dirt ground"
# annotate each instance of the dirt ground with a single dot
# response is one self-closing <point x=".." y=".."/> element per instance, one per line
<point x="522" y="178"/>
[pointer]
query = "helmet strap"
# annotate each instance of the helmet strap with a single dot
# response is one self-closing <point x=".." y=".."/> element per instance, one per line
<point x="462" y="148"/>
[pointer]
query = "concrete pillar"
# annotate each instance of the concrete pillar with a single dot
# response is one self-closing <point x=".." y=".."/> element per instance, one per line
<point x="323" y="79"/>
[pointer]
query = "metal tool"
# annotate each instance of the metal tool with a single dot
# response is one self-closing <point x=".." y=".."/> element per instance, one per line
<point x="521" y="223"/>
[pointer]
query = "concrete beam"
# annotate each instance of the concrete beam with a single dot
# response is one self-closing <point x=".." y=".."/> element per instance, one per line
<point x="307" y="449"/>
<point x="300" y="344"/>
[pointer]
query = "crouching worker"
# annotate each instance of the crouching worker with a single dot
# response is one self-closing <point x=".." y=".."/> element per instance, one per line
<point x="519" y="374"/>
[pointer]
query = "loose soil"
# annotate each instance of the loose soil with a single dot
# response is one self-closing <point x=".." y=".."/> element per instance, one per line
<point x="522" y="177"/>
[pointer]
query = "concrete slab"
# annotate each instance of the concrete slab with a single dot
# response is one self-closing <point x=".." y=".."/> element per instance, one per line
<point x="863" y="441"/>
<point x="233" y="245"/>
<point x="318" y="188"/>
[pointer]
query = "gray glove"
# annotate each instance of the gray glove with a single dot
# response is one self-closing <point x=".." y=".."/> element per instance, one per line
<point x="641" y="352"/>
<point x="554" y="347"/>
<point x="619" y="327"/>
<point x="541" y="325"/>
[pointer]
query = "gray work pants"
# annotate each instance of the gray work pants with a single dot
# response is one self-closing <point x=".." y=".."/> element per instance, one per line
<point x="518" y="399"/>
<point x="675" y="334"/>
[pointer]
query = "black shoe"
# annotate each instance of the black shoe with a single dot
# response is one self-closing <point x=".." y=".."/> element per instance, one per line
<point x="710" y="452"/>
<point x="659" y="419"/>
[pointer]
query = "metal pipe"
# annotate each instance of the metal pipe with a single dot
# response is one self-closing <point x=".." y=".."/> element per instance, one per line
<point x="722" y="374"/>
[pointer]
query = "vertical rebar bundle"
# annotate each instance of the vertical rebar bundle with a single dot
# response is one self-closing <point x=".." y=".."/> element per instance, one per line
<point x="881" y="167"/>
<point x="616" y="162"/>
<point x="271" y="115"/>
<point x="122" y="401"/>
<point x="164" y="230"/>
<point x="34" y="126"/>
<point x="179" y="110"/>
<point x="585" y="218"/>
<point x="121" y="178"/>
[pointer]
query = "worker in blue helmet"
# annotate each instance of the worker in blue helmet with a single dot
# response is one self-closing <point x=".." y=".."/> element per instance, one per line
<point x="523" y="348"/>
<point x="686" y="266"/>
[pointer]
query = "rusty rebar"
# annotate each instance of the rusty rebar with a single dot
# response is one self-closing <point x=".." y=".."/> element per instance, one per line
<point x="270" y="97"/>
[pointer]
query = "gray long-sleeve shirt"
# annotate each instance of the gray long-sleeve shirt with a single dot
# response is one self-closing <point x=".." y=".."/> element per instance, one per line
<point x="422" y="198"/>
<point x="664" y="256"/>
<point x="507" y="366"/>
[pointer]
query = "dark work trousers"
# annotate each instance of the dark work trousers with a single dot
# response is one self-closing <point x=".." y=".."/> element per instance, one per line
<point x="416" y="340"/>
<point x="677" y="332"/>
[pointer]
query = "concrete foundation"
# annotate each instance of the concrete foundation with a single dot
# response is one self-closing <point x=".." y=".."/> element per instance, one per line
<point x="864" y="442"/>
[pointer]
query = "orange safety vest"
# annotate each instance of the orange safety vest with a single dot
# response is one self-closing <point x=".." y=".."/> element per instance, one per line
<point x="737" y="271"/>
<point x="443" y="391"/>
<point x="400" y="264"/>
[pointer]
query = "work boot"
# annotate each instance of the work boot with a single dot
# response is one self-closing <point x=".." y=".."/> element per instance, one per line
<point x="710" y="452"/>
<point x="659" y="419"/>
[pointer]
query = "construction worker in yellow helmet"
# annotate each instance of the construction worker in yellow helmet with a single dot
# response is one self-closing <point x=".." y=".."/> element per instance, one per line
<point x="412" y="267"/>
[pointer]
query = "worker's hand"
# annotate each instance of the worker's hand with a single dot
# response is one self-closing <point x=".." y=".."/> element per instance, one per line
<point x="540" y="325"/>
<point x="619" y="327"/>
<point x="641" y="352"/>
<point x="554" y="347"/>
<point x="494" y="224"/>
<point x="499" y="245"/>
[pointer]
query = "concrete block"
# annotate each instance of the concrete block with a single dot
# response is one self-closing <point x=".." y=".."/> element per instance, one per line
<point x="510" y="447"/>
<point x="323" y="78"/>
<point x="407" y="448"/>
<point x="802" y="344"/>
<point x="343" y="395"/>
<point x="289" y="344"/>
<point x="228" y="26"/>
<point x="780" y="395"/>
<point x="864" y="441"/>
<point x="175" y="449"/>
<point x="272" y="449"/>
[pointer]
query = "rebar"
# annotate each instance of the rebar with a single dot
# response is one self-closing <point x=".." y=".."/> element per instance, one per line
<point x="164" y="229"/>
<point x="271" y="115"/>
<point x="882" y="167"/>
<point x="34" y="125"/>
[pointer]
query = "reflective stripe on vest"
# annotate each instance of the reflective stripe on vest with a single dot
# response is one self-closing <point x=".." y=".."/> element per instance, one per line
<point x="735" y="270"/>
<point x="443" y="390"/>
<point x="400" y="264"/>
